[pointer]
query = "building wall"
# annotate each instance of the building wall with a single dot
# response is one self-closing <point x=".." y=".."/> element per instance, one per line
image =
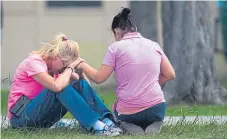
<point x="27" y="23"/>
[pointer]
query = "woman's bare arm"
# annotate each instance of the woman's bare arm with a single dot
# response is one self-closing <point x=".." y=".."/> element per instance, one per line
<point x="59" y="83"/>
<point x="167" y="72"/>
<point x="97" y="76"/>
<point x="51" y="83"/>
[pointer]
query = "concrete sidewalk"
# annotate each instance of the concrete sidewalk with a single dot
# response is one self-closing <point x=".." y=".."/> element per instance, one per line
<point x="196" y="119"/>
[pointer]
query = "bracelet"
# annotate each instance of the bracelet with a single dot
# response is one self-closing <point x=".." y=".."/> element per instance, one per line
<point x="70" y="68"/>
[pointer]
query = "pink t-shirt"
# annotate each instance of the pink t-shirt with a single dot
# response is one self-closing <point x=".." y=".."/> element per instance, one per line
<point x="23" y="82"/>
<point x="136" y="61"/>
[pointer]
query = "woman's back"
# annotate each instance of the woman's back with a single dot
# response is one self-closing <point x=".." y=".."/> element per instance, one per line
<point x="137" y="67"/>
<point x="140" y="68"/>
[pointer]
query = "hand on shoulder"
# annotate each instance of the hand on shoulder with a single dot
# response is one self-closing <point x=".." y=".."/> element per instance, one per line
<point x="77" y="62"/>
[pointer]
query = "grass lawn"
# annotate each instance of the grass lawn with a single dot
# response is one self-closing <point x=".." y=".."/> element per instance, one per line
<point x="186" y="131"/>
<point x="179" y="110"/>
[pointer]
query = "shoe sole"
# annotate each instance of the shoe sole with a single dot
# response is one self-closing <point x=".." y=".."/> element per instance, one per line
<point x="131" y="129"/>
<point x="154" y="128"/>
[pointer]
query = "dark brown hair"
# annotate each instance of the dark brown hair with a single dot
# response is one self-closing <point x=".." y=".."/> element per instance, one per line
<point x="123" y="20"/>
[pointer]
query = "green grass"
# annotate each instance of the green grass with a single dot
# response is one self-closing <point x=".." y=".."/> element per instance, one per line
<point x="4" y="101"/>
<point x="186" y="131"/>
<point x="179" y="110"/>
<point x="208" y="110"/>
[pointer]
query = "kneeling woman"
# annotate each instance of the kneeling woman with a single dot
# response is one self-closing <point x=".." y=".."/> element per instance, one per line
<point x="38" y="98"/>
<point x="140" y="67"/>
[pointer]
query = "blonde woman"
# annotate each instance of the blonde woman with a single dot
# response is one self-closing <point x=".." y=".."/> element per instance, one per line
<point x="41" y="93"/>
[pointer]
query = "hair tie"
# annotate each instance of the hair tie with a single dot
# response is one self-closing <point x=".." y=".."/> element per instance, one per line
<point x="64" y="39"/>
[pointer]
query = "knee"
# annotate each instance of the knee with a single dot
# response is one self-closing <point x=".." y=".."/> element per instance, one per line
<point x="76" y="85"/>
<point x="67" y="92"/>
<point x="68" y="88"/>
<point x="85" y="82"/>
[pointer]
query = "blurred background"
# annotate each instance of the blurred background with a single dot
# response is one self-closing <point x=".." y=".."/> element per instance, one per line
<point x="191" y="34"/>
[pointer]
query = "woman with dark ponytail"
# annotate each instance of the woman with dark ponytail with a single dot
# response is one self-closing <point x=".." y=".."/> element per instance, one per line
<point x="140" y="67"/>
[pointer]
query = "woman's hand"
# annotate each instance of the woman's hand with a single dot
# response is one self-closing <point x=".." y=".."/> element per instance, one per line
<point x="97" y="76"/>
<point x="74" y="76"/>
<point x="75" y="63"/>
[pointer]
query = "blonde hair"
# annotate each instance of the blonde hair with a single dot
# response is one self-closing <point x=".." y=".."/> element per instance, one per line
<point x="60" y="46"/>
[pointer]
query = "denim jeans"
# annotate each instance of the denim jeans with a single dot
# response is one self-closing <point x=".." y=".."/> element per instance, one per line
<point x="145" y="117"/>
<point x="79" y="98"/>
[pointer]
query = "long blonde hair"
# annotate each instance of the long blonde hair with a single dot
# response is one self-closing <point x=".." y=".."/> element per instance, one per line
<point x="60" y="46"/>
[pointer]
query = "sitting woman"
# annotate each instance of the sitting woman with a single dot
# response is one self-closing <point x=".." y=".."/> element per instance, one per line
<point x="140" y="67"/>
<point x="40" y="95"/>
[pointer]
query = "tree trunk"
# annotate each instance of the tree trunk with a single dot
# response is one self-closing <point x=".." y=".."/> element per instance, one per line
<point x="145" y="14"/>
<point x="2" y="15"/>
<point x="188" y="34"/>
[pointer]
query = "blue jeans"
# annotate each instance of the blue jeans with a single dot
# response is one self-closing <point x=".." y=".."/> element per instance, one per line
<point x="145" y="117"/>
<point x="79" y="98"/>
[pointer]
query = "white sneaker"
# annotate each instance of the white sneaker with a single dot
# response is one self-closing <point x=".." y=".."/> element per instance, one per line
<point x="107" y="131"/>
<point x="131" y="129"/>
<point x="115" y="128"/>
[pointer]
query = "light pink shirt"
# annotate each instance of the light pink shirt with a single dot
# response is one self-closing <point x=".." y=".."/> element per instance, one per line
<point x="23" y="82"/>
<point x="136" y="61"/>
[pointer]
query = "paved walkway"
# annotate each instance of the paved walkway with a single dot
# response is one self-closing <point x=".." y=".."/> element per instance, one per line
<point x="168" y="120"/>
<point x="196" y="119"/>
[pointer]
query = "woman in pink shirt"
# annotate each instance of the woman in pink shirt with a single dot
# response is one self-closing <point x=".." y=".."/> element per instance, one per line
<point x="140" y="67"/>
<point x="38" y="98"/>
